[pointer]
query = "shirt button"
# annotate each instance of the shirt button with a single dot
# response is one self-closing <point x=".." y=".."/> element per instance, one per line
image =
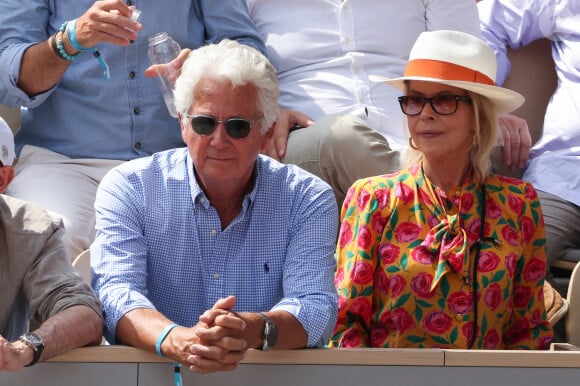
<point x="344" y="40"/>
<point x="137" y="145"/>
<point x="136" y="110"/>
<point x="216" y="275"/>
<point x="213" y="232"/>
<point x="202" y="200"/>
<point x="132" y="74"/>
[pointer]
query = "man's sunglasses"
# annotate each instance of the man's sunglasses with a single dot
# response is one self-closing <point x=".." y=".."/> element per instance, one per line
<point x="235" y="127"/>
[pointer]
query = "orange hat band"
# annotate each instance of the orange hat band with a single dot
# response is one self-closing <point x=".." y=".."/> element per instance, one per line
<point x="445" y="71"/>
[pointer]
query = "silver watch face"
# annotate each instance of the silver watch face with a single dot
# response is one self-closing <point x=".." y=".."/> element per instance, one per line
<point x="33" y="339"/>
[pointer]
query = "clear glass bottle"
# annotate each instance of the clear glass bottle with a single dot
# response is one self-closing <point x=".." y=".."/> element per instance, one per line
<point x="163" y="49"/>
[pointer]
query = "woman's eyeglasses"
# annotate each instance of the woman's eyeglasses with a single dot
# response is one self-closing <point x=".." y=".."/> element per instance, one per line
<point x="442" y="104"/>
<point x="236" y="127"/>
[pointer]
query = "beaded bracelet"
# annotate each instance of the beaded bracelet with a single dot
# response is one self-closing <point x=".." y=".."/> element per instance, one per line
<point x="60" y="46"/>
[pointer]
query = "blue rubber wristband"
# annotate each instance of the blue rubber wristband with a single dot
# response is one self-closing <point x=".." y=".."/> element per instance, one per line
<point x="72" y="36"/>
<point x="162" y="337"/>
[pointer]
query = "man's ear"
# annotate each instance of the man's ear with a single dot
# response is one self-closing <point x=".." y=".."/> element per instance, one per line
<point x="6" y="177"/>
<point x="268" y="136"/>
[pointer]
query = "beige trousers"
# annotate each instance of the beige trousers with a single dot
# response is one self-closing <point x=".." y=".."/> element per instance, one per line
<point x="65" y="187"/>
<point x="340" y="149"/>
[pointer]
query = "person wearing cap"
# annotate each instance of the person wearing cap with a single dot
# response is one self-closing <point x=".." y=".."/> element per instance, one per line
<point x="555" y="159"/>
<point x="443" y="253"/>
<point x="39" y="286"/>
<point x="204" y="252"/>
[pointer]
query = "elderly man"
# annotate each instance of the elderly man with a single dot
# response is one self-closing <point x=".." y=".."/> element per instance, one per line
<point x="37" y="280"/>
<point x="204" y="252"/>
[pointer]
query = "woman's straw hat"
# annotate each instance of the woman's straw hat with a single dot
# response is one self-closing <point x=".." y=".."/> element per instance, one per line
<point x="457" y="59"/>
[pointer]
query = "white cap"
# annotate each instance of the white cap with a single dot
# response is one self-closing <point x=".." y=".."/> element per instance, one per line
<point x="6" y="144"/>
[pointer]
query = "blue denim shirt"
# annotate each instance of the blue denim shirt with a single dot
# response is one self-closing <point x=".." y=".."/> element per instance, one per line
<point x="85" y="116"/>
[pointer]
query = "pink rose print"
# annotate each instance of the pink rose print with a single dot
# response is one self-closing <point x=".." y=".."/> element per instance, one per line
<point x="467" y="201"/>
<point x="378" y="336"/>
<point x="348" y="198"/>
<point x="522" y="295"/>
<point x="342" y="317"/>
<point x="536" y="318"/>
<point x="351" y="339"/>
<point x="488" y="261"/>
<point x="362" y="199"/>
<point x="516" y="204"/>
<point x="519" y="331"/>
<point x="382" y="281"/>
<point x="378" y="222"/>
<point x="544" y="342"/>
<point x="530" y="193"/>
<point x="404" y="193"/>
<point x="382" y="197"/>
<point x="492" y="297"/>
<point x="460" y="303"/>
<point x="339" y="277"/>
<point x="398" y="320"/>
<point x="361" y="307"/>
<point x="432" y="220"/>
<point x="492" y="211"/>
<point x="345" y="236"/>
<point x="491" y="340"/>
<point x="510" y="235"/>
<point x="535" y="269"/>
<point x="362" y="273"/>
<point x="397" y="283"/>
<point x="474" y="228"/>
<point x="528" y="229"/>
<point x="364" y="237"/>
<point x="422" y="255"/>
<point x="424" y="197"/>
<point x="437" y="322"/>
<point x="455" y="261"/>
<point x="389" y="253"/>
<point x="421" y="285"/>
<point x="407" y="232"/>
<point x="510" y="263"/>
<point x="467" y="330"/>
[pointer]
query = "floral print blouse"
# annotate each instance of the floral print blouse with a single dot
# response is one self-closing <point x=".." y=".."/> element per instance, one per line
<point x="405" y="265"/>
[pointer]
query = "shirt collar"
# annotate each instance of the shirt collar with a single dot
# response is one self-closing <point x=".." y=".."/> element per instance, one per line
<point x="198" y="196"/>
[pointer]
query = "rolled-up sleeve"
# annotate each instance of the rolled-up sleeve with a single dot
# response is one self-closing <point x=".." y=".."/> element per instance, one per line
<point x="308" y="280"/>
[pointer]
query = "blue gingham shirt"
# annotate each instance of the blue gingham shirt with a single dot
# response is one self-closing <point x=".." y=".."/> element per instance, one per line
<point x="159" y="245"/>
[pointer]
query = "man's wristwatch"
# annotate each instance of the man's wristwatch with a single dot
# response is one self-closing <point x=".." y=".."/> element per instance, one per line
<point x="270" y="336"/>
<point x="35" y="342"/>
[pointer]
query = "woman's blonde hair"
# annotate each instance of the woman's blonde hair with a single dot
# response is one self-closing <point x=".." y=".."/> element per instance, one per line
<point x="484" y="140"/>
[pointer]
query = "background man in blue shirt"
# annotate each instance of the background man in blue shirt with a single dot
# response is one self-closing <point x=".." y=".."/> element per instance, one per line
<point x="78" y="125"/>
<point x="193" y="244"/>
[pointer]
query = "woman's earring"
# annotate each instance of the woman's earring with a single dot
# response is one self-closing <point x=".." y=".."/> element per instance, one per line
<point x="412" y="145"/>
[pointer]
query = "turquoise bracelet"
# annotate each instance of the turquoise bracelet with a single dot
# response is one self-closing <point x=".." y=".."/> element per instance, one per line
<point x="162" y="337"/>
<point x="60" y="50"/>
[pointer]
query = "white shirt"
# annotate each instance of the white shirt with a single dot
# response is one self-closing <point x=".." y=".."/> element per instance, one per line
<point x="324" y="51"/>
<point x="555" y="159"/>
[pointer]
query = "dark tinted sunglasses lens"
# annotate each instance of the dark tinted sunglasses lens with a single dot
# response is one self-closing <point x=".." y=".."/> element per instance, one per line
<point x="203" y="125"/>
<point x="238" y="128"/>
